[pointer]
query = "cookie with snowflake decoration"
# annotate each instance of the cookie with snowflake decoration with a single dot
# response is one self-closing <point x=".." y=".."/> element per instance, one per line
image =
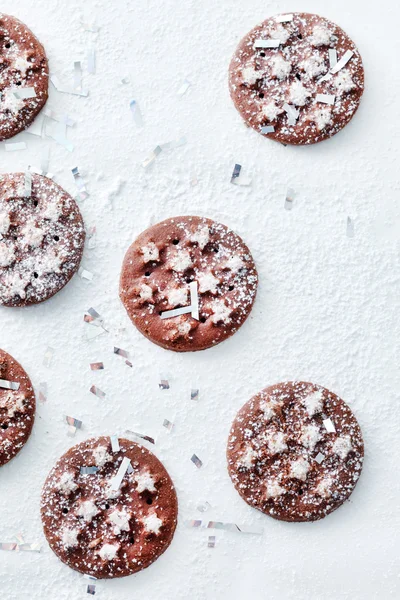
<point x="162" y="266"/>
<point x="17" y="407"/>
<point x="102" y="527"/>
<point x="296" y="78"/>
<point x="24" y="76"/>
<point x="295" y="451"/>
<point x="41" y="239"/>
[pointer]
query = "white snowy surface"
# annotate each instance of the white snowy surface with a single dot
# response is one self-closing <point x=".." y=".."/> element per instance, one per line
<point x="326" y="311"/>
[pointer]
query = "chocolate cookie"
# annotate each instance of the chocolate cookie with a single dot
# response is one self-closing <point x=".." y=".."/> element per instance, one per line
<point x="17" y="407"/>
<point x="24" y="76"/>
<point x="296" y="78"/>
<point x="41" y="239"/>
<point x="188" y="262"/>
<point x="101" y="528"/>
<point x="295" y="451"/>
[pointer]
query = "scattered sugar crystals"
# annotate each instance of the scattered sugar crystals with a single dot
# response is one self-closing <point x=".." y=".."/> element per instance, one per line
<point x="65" y="89"/>
<point x="196" y="461"/>
<point x="74" y="424"/>
<point x="158" y="149"/>
<point x="329" y="425"/>
<point x="98" y="392"/>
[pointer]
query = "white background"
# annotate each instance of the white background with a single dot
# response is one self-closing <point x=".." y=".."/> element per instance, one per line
<point x="326" y="311"/>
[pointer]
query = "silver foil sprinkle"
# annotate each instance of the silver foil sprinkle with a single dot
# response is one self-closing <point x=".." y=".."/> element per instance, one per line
<point x="196" y="461"/>
<point x="91" y="59"/>
<point x="136" y="112"/>
<point x="332" y="57"/>
<point x="211" y="541"/>
<point x="343" y="61"/>
<point x="184" y="87"/>
<point x="65" y="119"/>
<point x="329" y="425"/>
<point x="84" y="274"/>
<point x="267" y="43"/>
<point x="233" y="527"/>
<point x="319" y="458"/>
<point x="80" y="184"/>
<point x="24" y="93"/>
<point x="88" y="470"/>
<point x="194" y="394"/>
<point x="147" y="438"/>
<point x="284" y="18"/>
<point x="193" y="307"/>
<point x="168" y="425"/>
<point x="350" y="228"/>
<point x="152" y="157"/>
<point x="164" y="384"/>
<point x="12" y="147"/>
<point x="66" y="89"/>
<point x="42" y="392"/>
<point x="236" y="172"/>
<point x="48" y="356"/>
<point x="98" y="392"/>
<point x="123" y="468"/>
<point x="91" y="589"/>
<point x="326" y="98"/>
<point x="121" y="352"/>
<point x="114" y="443"/>
<point x="98" y="366"/>
<point x="92" y="237"/>
<point x="74" y="424"/>
<point x="267" y="129"/>
<point x="128" y="363"/>
<point x="9" y="385"/>
<point x="44" y="160"/>
<point x="27" y="184"/>
<point x="290" y="195"/>
<point x="292" y="113"/>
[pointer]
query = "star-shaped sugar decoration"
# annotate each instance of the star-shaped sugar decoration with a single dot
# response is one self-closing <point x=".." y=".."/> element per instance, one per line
<point x="321" y="36"/>
<point x="66" y="484"/>
<point x="280" y="33"/>
<point x="269" y="408"/>
<point x="10" y="102"/>
<point x="310" y="436"/>
<point x="109" y="551"/>
<point x="144" y="481"/>
<point x="32" y="235"/>
<point x="280" y="68"/>
<point x="201" y="236"/>
<point x="248" y="457"/>
<point x="193" y="307"/>
<point x="51" y="212"/>
<point x="322" y="117"/>
<point x="177" y="296"/>
<point x="7" y="254"/>
<point x="5" y="222"/>
<point x="16" y="404"/>
<point x="221" y="312"/>
<point x="298" y="93"/>
<point x="207" y="282"/>
<point x="181" y="261"/>
<point x="21" y="64"/>
<point x="270" y="111"/>
<point x="119" y="520"/>
<point x="145" y="292"/>
<point x="276" y="442"/>
<point x="16" y="284"/>
<point x="88" y="510"/>
<point x="324" y="487"/>
<point x="342" y="446"/>
<point x="343" y="82"/>
<point x="273" y="489"/>
<point x="250" y="75"/>
<point x="152" y="523"/>
<point x="150" y="252"/>
<point x="313" y="66"/>
<point x="101" y="456"/>
<point x="299" y="469"/>
<point x="234" y="263"/>
<point x="69" y="537"/>
<point x="313" y="403"/>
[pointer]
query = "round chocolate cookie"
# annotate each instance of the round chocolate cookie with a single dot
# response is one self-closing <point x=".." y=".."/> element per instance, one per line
<point x="296" y="78"/>
<point x="162" y="266"/>
<point x="41" y="239"/>
<point x="17" y="407"/>
<point x="101" y="528"/>
<point x="24" y="76"/>
<point x="295" y="451"/>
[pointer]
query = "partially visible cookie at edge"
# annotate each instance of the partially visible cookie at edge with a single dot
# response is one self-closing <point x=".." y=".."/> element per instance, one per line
<point x="103" y="530"/>
<point x="295" y="451"/>
<point x="289" y="82"/>
<point x="24" y="76"/>
<point x="42" y="237"/>
<point x="17" y="407"/>
<point x="161" y="264"/>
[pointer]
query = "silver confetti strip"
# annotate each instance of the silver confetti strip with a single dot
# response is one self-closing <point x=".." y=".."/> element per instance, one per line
<point x="137" y="115"/>
<point x="20" y="547"/>
<point x="14" y="146"/>
<point x="121" y="352"/>
<point x="114" y="443"/>
<point x="24" y="93"/>
<point x="168" y="425"/>
<point x="77" y="75"/>
<point x="284" y="18"/>
<point x="98" y="366"/>
<point x="184" y="87"/>
<point x="9" y="385"/>
<point x="9" y="546"/>
<point x="88" y="470"/>
<point x="194" y="394"/>
<point x="292" y="113"/>
<point x="65" y="89"/>
<point x="128" y="363"/>
<point x="319" y="458"/>
<point x="84" y="274"/>
<point x="72" y="422"/>
<point x="80" y="184"/>
<point x="44" y="160"/>
<point x="211" y="541"/>
<point x="326" y="98"/>
<point x="92" y="237"/>
<point x="93" y="318"/>
<point x="42" y="392"/>
<point x="158" y="149"/>
<point x="329" y="425"/>
<point x="147" y="438"/>
<point x="48" y="356"/>
<point x="289" y="199"/>
<point x="169" y="314"/>
<point x="58" y="133"/>
<point x="164" y="384"/>
<point x="194" y="299"/>
<point x="27" y="184"/>
<point x="343" y="61"/>
<point x="236" y="177"/>
<point x="233" y="527"/>
<point x="236" y="172"/>
<point x="270" y="43"/>
<point x="350" y="228"/>
<point x="196" y="461"/>
<point x="267" y="129"/>
<point x="98" y="392"/>
<point x="152" y="157"/>
<point x="123" y="469"/>
<point x="91" y="589"/>
<point x="332" y="57"/>
<point x="91" y="59"/>
<point x="65" y="119"/>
